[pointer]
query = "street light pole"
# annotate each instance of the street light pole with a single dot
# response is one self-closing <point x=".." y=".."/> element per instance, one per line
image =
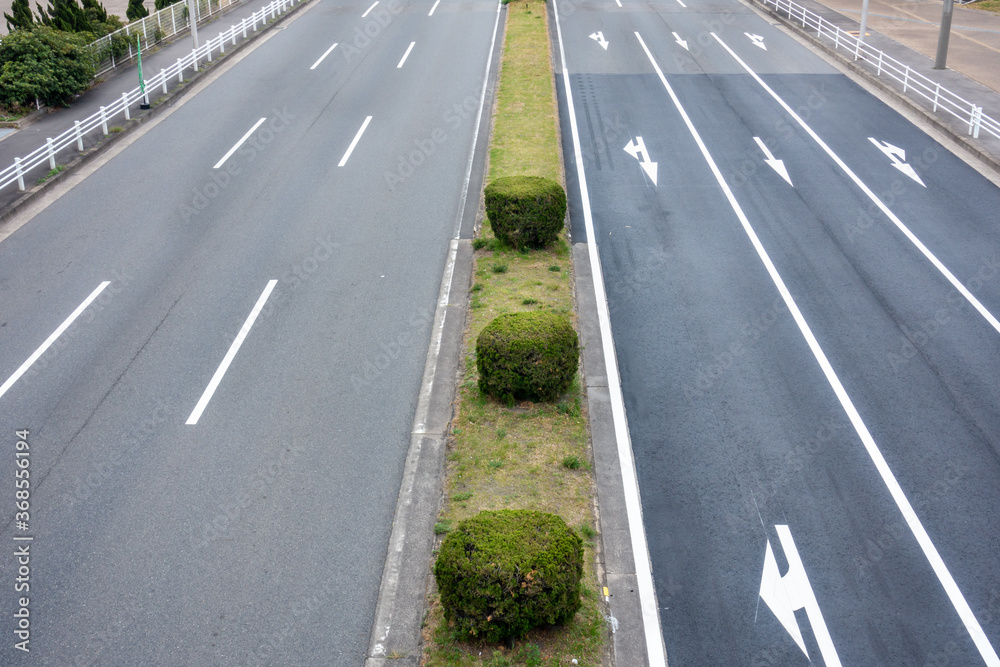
<point x="942" y="49"/>
<point x="193" y="19"/>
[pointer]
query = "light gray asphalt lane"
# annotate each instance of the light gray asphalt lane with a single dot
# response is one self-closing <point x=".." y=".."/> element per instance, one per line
<point x="257" y="535"/>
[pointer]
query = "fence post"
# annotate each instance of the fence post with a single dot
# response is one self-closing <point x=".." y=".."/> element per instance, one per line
<point x="906" y="78"/>
<point x="79" y="136"/>
<point x="222" y="45"/>
<point x="180" y="71"/>
<point x="879" y="73"/>
<point x="937" y="94"/>
<point x="173" y="20"/>
<point x="104" y="123"/>
<point x="244" y="24"/>
<point x="209" y="45"/>
<point x="144" y="37"/>
<point x="233" y="31"/>
<point x="125" y="105"/>
<point x="163" y="75"/>
<point x="975" y="121"/>
<point x="20" y="174"/>
<point x="52" y="153"/>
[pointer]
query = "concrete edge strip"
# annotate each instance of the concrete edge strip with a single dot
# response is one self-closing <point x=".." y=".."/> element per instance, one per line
<point x="988" y="165"/>
<point x="624" y="608"/>
<point x="395" y="634"/>
<point x="653" y="635"/>
<point x="38" y="199"/>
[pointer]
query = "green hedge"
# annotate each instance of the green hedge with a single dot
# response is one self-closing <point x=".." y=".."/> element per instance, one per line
<point x="502" y="573"/>
<point x="526" y="211"/>
<point x="532" y="356"/>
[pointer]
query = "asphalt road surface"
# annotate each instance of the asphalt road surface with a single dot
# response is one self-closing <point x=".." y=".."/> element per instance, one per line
<point x="215" y="442"/>
<point x="803" y="289"/>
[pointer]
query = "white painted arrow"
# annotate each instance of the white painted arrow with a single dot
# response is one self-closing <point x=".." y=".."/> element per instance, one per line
<point x="777" y="165"/>
<point x="637" y="148"/>
<point x="599" y="38"/>
<point x="681" y="41"/>
<point x="757" y="40"/>
<point x="786" y="595"/>
<point x="898" y="157"/>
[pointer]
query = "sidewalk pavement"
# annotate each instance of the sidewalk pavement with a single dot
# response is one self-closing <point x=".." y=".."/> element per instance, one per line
<point x="125" y="78"/>
<point x="907" y="30"/>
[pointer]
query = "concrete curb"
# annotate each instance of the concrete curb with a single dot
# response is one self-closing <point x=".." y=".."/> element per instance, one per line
<point x="624" y="610"/>
<point x="169" y="100"/>
<point x="939" y="123"/>
<point x="396" y="633"/>
<point x="24" y="122"/>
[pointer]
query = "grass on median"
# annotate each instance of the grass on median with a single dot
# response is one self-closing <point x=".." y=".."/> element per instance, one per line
<point x="988" y="5"/>
<point x="515" y="457"/>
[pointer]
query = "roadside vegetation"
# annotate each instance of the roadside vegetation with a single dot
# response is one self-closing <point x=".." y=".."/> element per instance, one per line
<point x="988" y="5"/>
<point x="515" y="454"/>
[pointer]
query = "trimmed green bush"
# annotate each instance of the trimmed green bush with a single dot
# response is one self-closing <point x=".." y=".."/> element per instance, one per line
<point x="504" y="572"/>
<point x="532" y="356"/>
<point x="526" y="211"/>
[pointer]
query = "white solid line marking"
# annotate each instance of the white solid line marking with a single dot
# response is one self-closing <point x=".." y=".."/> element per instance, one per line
<point x="619" y="2"/>
<point x="909" y="515"/>
<point x="436" y="3"/>
<point x="403" y="59"/>
<point x="357" y="138"/>
<point x="643" y="570"/>
<point x="52" y="338"/>
<point x="475" y="130"/>
<point x="368" y="11"/>
<point x="316" y="64"/>
<point x="681" y="3"/>
<point x="871" y="195"/>
<point x="230" y="355"/>
<point x="238" y="144"/>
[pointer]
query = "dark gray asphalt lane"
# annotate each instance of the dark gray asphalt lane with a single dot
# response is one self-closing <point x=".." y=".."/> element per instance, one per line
<point x="735" y="430"/>
<point x="258" y="535"/>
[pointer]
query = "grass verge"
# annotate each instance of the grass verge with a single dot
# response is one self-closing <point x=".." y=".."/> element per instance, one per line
<point x="527" y="456"/>
<point x="988" y="5"/>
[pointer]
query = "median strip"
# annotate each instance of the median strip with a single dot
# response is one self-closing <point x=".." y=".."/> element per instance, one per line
<point x="523" y="455"/>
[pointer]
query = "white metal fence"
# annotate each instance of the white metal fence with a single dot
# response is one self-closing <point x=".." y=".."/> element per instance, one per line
<point x="73" y="137"/>
<point x="914" y="83"/>
<point x="116" y="47"/>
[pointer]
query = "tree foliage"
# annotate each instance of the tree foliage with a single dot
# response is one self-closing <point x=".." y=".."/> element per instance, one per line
<point x="135" y="10"/>
<point x="43" y="63"/>
<point x="20" y="17"/>
<point x="70" y="16"/>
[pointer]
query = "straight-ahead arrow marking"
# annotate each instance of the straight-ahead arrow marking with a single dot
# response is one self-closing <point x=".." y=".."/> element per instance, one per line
<point x="599" y="38"/>
<point x="777" y="165"/>
<point x="681" y="41"/>
<point x="757" y="40"/>
<point x="636" y="149"/>
<point x="898" y="157"/>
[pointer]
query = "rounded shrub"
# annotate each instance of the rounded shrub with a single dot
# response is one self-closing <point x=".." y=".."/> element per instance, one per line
<point x="502" y="573"/>
<point x="526" y="211"/>
<point x="532" y="356"/>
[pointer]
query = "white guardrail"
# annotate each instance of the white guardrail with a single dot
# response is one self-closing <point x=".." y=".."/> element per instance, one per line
<point x="940" y="98"/>
<point x="16" y="172"/>
<point x="119" y="46"/>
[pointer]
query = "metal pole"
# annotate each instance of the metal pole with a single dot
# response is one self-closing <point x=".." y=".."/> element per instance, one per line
<point x="864" y="26"/>
<point x="944" y="34"/>
<point x="193" y="20"/>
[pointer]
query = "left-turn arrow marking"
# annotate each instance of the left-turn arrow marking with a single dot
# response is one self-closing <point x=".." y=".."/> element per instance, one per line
<point x="637" y="149"/>
<point x="599" y="38"/>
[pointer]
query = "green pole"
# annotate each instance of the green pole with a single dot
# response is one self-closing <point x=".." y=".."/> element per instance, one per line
<point x="142" y="81"/>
